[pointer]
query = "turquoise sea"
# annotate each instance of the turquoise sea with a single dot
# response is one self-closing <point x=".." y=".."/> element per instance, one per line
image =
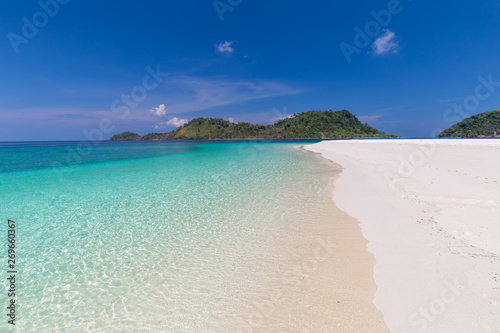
<point x="146" y="236"/>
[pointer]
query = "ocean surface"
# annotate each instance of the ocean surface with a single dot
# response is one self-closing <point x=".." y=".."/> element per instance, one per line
<point x="147" y="236"/>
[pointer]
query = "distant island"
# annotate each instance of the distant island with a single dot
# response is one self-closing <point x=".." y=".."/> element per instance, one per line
<point x="483" y="125"/>
<point x="307" y="125"/>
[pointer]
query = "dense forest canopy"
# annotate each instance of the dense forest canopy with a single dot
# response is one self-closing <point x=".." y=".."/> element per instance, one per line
<point x="485" y="124"/>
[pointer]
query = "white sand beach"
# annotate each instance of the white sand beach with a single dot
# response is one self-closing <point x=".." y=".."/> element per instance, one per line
<point x="430" y="210"/>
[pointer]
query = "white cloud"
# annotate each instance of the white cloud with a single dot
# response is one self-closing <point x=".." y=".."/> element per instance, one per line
<point x="172" y="122"/>
<point x="225" y="48"/>
<point x="231" y="120"/>
<point x="177" y="122"/>
<point x="386" y="43"/>
<point x="159" y="111"/>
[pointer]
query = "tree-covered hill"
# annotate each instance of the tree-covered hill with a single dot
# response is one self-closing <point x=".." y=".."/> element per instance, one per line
<point x="211" y="128"/>
<point x="126" y="136"/>
<point x="307" y="125"/>
<point x="323" y="125"/>
<point x="485" y="124"/>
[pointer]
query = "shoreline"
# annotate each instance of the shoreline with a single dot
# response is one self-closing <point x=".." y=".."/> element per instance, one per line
<point x="429" y="211"/>
<point x="320" y="276"/>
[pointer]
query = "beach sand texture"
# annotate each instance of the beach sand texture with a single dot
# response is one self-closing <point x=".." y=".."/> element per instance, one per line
<point x="430" y="210"/>
<point x="319" y="277"/>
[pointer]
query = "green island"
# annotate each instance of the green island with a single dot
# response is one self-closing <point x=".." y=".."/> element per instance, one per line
<point x="307" y="125"/>
<point x="483" y="125"/>
<point x="126" y="136"/>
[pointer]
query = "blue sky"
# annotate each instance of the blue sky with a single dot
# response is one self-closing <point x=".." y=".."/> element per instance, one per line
<point x="73" y="69"/>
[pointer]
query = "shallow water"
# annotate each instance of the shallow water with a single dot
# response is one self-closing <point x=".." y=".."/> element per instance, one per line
<point x="148" y="236"/>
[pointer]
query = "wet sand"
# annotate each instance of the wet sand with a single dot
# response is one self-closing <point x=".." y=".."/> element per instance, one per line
<point x="320" y="277"/>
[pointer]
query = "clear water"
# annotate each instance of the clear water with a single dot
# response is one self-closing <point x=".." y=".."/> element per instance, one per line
<point x="159" y="236"/>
